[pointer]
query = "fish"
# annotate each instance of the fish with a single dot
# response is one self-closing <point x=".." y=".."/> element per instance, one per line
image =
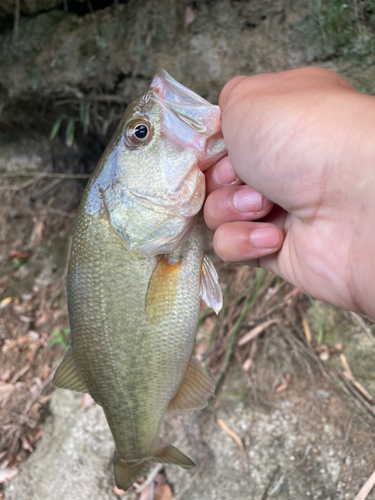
<point x="137" y="272"/>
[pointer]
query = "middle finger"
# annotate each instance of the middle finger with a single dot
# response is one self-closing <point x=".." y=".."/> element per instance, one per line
<point x="235" y="203"/>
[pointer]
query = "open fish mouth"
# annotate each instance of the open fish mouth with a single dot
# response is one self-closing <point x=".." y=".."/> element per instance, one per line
<point x="187" y="117"/>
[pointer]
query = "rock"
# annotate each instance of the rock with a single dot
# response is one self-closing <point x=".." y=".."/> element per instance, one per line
<point x="73" y="460"/>
<point x="116" y="50"/>
<point x="30" y="152"/>
<point x="300" y="440"/>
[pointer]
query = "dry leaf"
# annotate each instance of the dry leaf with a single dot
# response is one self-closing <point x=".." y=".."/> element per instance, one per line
<point x="5" y="302"/>
<point x="284" y="384"/>
<point x="161" y="492"/>
<point x="366" y="488"/>
<point x="16" y="254"/>
<point x="36" y="436"/>
<point x="306" y="329"/>
<point x="25" y="444"/>
<point x="5" y="377"/>
<point x="321" y="348"/>
<point x="20" y="373"/>
<point x="256" y="331"/>
<point x="247" y="364"/>
<point x="346" y="366"/>
<point x="5" y="389"/>
<point x="7" y="474"/>
<point x="46" y="372"/>
<point x="231" y="433"/>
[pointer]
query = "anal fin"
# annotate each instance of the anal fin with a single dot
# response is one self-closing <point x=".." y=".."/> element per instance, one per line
<point x="67" y="376"/>
<point x="195" y="388"/>
<point x="210" y="290"/>
<point x="168" y="454"/>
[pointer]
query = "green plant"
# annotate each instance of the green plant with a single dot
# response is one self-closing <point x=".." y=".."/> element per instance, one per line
<point x="84" y="119"/>
<point x="58" y="336"/>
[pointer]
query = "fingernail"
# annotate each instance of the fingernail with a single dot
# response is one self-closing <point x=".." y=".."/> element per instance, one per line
<point x="223" y="173"/>
<point x="265" y="237"/>
<point x="247" y="200"/>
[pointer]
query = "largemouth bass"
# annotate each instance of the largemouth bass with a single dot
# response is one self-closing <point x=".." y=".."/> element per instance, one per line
<point x="137" y="272"/>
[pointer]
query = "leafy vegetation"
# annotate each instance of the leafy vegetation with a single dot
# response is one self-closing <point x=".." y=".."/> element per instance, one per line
<point x="58" y="336"/>
<point x="338" y="28"/>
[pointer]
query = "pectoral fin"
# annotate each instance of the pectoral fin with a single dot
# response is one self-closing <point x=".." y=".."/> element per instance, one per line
<point x="210" y="290"/>
<point x="195" y="387"/>
<point x="67" y="376"/>
<point x="162" y="289"/>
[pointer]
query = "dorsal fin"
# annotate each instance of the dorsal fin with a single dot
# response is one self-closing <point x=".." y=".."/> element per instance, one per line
<point x="67" y="376"/>
<point x="195" y="388"/>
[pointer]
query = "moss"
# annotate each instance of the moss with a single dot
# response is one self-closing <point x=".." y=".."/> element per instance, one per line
<point x="339" y="29"/>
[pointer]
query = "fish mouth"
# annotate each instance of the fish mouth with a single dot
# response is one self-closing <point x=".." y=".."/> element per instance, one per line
<point x="188" y="118"/>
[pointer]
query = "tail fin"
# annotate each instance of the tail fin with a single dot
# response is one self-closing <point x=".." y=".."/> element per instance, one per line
<point x="126" y="473"/>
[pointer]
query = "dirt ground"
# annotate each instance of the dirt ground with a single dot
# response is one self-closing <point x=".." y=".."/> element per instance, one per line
<point x="295" y="410"/>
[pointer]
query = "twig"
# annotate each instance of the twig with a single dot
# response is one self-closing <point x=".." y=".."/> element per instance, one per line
<point x="308" y="449"/>
<point x="357" y="394"/>
<point x="187" y="486"/>
<point x="49" y="209"/>
<point x="364" y="326"/>
<point x="23" y="417"/>
<point x="272" y="478"/>
<point x="39" y="173"/>
<point x="366" y="488"/>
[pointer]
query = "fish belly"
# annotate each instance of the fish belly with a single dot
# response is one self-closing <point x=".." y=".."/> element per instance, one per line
<point x="131" y="365"/>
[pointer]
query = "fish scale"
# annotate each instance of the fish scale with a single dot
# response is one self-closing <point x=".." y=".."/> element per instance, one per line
<point x="136" y="273"/>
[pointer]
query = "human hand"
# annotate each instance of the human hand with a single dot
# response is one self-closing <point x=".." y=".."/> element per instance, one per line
<point x="304" y="141"/>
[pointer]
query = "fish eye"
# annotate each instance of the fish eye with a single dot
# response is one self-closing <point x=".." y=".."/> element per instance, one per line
<point x="138" y="132"/>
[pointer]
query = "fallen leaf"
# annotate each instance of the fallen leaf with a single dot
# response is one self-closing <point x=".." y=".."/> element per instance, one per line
<point x="321" y="348"/>
<point x="5" y="377"/>
<point x="46" y="372"/>
<point x="25" y="444"/>
<point x="306" y="329"/>
<point x="253" y="333"/>
<point x="5" y="389"/>
<point x="5" y="302"/>
<point x="7" y="473"/>
<point x="16" y="254"/>
<point x="41" y="320"/>
<point x="20" y="373"/>
<point x="37" y="435"/>
<point x="231" y="433"/>
<point x="281" y="387"/>
<point x="247" y="364"/>
<point x="161" y="492"/>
